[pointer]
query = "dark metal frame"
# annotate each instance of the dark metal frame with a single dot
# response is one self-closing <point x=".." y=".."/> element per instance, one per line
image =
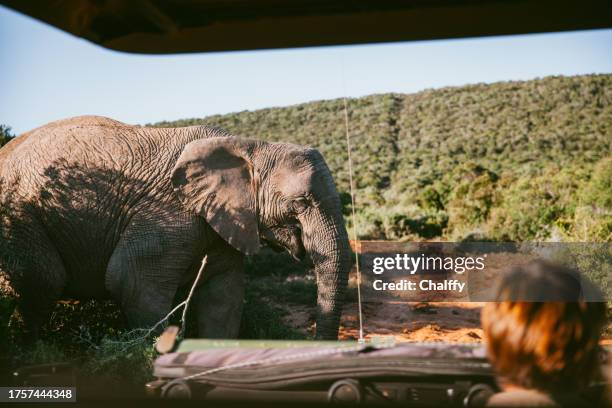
<point x="179" y="26"/>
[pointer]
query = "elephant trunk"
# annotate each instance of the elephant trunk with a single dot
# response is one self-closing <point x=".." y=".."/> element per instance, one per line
<point x="326" y="240"/>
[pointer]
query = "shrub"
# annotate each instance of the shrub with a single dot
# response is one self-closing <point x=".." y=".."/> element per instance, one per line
<point x="474" y="195"/>
<point x="5" y="134"/>
<point x="126" y="357"/>
<point x="532" y="206"/>
<point x="598" y="192"/>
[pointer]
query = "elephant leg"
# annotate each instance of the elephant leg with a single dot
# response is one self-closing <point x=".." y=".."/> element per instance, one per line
<point x="40" y="281"/>
<point x="217" y="302"/>
<point x="148" y="266"/>
<point x="149" y="305"/>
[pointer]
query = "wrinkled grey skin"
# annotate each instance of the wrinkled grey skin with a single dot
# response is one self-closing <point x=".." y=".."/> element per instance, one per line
<point x="92" y="207"/>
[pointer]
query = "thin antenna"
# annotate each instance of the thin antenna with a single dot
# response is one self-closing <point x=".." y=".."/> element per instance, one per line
<point x="350" y="163"/>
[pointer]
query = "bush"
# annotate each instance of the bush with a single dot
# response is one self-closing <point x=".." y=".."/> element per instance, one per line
<point x="126" y="358"/>
<point x="90" y="335"/>
<point x="592" y="220"/>
<point x="533" y="206"/>
<point x="474" y="195"/>
<point x="591" y="259"/>
<point x="40" y="353"/>
<point x="5" y="134"/>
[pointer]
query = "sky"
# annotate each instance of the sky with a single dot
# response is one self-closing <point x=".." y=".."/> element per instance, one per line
<point x="46" y="74"/>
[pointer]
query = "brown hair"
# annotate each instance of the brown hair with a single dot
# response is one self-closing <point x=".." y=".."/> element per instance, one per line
<point x="546" y="345"/>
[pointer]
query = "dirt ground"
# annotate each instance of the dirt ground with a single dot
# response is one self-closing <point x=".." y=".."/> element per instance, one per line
<point x="405" y="321"/>
<point x="415" y="321"/>
<point x="452" y="321"/>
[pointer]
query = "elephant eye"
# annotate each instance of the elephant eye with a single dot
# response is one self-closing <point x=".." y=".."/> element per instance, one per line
<point x="300" y="205"/>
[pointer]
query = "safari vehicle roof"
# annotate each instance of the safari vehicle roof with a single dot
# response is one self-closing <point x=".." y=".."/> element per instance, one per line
<point x="178" y="26"/>
<point x="284" y="363"/>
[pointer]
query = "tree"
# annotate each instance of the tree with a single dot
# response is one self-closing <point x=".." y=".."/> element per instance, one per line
<point x="5" y="134"/>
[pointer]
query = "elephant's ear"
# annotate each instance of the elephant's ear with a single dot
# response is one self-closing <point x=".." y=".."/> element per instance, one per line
<point x="214" y="179"/>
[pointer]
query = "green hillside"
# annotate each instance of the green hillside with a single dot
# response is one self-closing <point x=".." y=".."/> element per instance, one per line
<point x="504" y="161"/>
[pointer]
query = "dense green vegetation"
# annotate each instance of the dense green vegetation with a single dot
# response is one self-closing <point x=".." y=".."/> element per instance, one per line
<point x="504" y="161"/>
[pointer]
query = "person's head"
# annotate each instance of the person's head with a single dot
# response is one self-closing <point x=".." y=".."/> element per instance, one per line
<point x="549" y="345"/>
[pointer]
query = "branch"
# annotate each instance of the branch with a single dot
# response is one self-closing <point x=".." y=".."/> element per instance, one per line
<point x="186" y="302"/>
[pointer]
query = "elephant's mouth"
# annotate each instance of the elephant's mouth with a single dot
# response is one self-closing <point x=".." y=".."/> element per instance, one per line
<point x="298" y="252"/>
<point x="285" y="239"/>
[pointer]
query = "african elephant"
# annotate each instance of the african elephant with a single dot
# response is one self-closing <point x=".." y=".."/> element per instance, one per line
<point x="92" y="208"/>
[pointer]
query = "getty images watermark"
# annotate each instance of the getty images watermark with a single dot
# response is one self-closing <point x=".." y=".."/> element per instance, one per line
<point x="424" y="264"/>
<point x="469" y="271"/>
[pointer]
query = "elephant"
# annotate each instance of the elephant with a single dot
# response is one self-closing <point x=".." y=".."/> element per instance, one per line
<point x="95" y="208"/>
